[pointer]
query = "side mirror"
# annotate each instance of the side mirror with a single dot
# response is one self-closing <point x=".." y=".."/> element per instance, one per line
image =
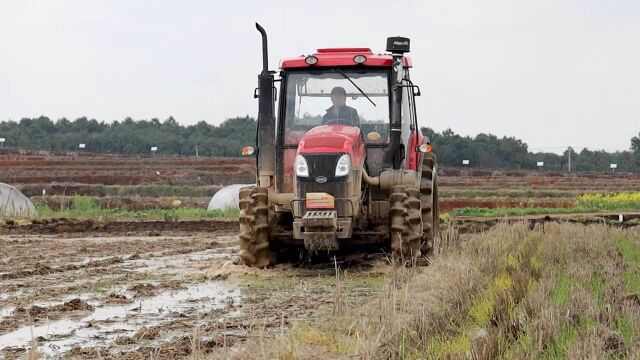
<point x="256" y="93"/>
<point x="414" y="88"/>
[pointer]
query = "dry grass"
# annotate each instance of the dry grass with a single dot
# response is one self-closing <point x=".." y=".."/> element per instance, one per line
<point x="560" y="291"/>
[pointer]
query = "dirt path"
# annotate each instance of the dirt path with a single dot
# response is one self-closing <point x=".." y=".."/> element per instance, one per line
<point x="140" y="296"/>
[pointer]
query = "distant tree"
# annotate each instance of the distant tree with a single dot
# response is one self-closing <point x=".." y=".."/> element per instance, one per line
<point x="600" y="160"/>
<point x="635" y="144"/>
<point x="570" y="153"/>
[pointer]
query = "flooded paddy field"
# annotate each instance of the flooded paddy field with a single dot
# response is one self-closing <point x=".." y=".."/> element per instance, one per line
<point x="159" y="294"/>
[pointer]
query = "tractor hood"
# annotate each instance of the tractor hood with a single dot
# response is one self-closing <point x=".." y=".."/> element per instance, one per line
<point x="333" y="139"/>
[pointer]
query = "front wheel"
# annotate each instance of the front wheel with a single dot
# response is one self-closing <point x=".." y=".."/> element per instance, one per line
<point x="254" y="227"/>
<point x="406" y="222"/>
<point x="430" y="207"/>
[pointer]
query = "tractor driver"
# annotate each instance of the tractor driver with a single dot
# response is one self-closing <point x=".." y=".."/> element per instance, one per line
<point x="340" y="113"/>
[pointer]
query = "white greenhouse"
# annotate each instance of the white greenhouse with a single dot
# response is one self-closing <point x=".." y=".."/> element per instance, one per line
<point x="14" y="203"/>
<point x="226" y="198"/>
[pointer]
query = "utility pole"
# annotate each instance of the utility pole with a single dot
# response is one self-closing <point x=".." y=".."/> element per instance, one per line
<point x="570" y="151"/>
<point x="196" y="150"/>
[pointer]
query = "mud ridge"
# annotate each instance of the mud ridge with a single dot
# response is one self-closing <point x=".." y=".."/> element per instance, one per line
<point x="42" y="269"/>
<point x="129" y="227"/>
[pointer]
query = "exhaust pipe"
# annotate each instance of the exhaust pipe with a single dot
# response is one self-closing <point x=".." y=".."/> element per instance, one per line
<point x="265" y="53"/>
<point x="397" y="46"/>
<point x="266" y="159"/>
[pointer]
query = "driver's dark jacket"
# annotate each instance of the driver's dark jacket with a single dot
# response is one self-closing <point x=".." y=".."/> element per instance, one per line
<point x="346" y="113"/>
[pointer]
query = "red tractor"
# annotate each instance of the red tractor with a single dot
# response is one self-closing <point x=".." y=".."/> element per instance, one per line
<point x="341" y="161"/>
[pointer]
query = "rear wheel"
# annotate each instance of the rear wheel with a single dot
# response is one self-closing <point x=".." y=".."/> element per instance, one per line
<point x="406" y="221"/>
<point x="429" y="201"/>
<point x="254" y="227"/>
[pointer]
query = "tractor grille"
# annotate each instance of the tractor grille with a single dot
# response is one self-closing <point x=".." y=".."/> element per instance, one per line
<point x="322" y="165"/>
<point x="339" y="190"/>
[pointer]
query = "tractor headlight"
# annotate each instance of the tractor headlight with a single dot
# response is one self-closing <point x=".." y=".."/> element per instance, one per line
<point x="344" y="165"/>
<point x="301" y="166"/>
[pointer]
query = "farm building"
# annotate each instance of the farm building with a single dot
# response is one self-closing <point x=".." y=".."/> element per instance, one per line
<point x="15" y="203"/>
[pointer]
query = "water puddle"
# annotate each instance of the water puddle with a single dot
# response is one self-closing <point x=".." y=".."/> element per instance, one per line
<point x="178" y="261"/>
<point x="5" y="312"/>
<point x="106" y="323"/>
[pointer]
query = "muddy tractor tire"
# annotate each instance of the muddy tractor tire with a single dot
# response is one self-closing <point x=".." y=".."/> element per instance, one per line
<point x="254" y="227"/>
<point x="429" y="201"/>
<point x="406" y="222"/>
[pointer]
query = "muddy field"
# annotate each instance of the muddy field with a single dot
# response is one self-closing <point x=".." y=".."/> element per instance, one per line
<point x="165" y="290"/>
<point x="145" y="294"/>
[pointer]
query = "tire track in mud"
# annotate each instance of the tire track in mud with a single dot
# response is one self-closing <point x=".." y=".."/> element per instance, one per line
<point x="33" y="255"/>
<point x="137" y="270"/>
<point x="43" y="269"/>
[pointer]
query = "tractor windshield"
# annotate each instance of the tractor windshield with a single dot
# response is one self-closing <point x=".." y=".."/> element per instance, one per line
<point x="328" y="97"/>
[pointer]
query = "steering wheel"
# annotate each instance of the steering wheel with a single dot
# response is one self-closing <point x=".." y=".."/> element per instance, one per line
<point x="339" y="122"/>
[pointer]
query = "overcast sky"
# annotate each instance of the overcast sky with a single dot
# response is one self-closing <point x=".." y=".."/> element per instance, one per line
<point x="551" y="72"/>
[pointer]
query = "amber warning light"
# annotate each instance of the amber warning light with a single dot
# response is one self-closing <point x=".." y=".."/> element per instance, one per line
<point x="248" y="151"/>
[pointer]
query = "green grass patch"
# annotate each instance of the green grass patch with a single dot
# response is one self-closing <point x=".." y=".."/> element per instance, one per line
<point x="442" y="347"/>
<point x="597" y="287"/>
<point x="632" y="281"/>
<point x="562" y="292"/>
<point x="624" y="324"/>
<point x="85" y="207"/>
<point x="558" y="349"/>
<point x="629" y="249"/>
<point x="565" y="336"/>
<point x="481" y="310"/>
<point x="330" y="341"/>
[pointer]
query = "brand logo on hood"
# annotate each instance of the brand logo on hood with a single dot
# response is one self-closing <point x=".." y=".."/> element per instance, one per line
<point x="321" y="179"/>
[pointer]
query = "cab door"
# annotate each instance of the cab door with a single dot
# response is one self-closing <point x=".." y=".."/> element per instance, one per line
<point x="411" y="135"/>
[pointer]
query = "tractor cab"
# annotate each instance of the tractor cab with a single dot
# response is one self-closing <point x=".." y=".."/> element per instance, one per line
<point x="339" y="156"/>
<point x="344" y="86"/>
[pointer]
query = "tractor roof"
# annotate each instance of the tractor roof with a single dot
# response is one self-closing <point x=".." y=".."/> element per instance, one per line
<point x="332" y="57"/>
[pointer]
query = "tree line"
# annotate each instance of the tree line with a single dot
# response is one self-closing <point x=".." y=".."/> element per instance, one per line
<point x="135" y="137"/>
<point x="489" y="151"/>
<point x="130" y="136"/>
